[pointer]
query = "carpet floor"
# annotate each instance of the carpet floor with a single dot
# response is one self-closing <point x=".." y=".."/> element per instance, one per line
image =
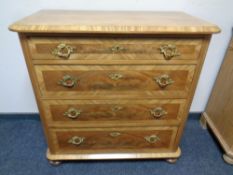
<point x="22" y="152"/>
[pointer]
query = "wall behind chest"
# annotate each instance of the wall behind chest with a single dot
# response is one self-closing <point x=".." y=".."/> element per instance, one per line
<point x="15" y="88"/>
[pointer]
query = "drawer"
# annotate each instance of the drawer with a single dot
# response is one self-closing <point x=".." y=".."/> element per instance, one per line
<point x="113" y="140"/>
<point x="81" y="48"/>
<point x="114" y="81"/>
<point x="112" y="112"/>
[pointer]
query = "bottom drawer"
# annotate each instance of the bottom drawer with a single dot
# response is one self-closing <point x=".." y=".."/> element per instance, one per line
<point x="113" y="140"/>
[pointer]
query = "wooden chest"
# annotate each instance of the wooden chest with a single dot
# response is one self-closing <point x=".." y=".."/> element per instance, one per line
<point x="113" y="85"/>
<point x="218" y="112"/>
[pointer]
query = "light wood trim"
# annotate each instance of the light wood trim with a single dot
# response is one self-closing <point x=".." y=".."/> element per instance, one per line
<point x="228" y="159"/>
<point x="193" y="87"/>
<point x="203" y="122"/>
<point x="62" y="21"/>
<point x="138" y="155"/>
<point x="220" y="138"/>
<point x="114" y="62"/>
<point x="24" y="45"/>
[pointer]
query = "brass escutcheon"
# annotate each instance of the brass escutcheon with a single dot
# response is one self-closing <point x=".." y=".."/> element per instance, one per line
<point x="115" y="76"/>
<point x="158" y="112"/>
<point x="115" y="134"/>
<point x="76" y="140"/>
<point x="163" y="80"/>
<point x="63" y="50"/>
<point x="117" y="48"/>
<point x="72" y="113"/>
<point x="68" y="81"/>
<point x="152" y="138"/>
<point x="169" y="51"/>
<point x="116" y="108"/>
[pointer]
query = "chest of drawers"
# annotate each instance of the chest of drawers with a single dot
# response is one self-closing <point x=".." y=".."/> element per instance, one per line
<point x="113" y="85"/>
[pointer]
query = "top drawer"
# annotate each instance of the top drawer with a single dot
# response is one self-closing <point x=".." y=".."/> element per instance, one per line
<point x="83" y="48"/>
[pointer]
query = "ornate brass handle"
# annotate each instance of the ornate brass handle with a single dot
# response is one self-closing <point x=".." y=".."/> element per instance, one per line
<point x="63" y="50"/>
<point x="163" y="80"/>
<point x="76" y="140"/>
<point x="152" y="138"/>
<point x="169" y="51"/>
<point x="68" y="81"/>
<point x="158" y="112"/>
<point x="115" y="134"/>
<point x="115" y="76"/>
<point x="72" y="113"/>
<point x="117" y="48"/>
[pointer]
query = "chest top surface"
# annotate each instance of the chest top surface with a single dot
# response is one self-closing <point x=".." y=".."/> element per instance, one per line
<point x="135" y="22"/>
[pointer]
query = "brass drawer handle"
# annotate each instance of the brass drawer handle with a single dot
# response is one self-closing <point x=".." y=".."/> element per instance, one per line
<point x="163" y="80"/>
<point x="76" y="140"/>
<point x="72" y="113"/>
<point x="117" y="48"/>
<point x="68" y="81"/>
<point x="115" y="76"/>
<point x="169" y="51"/>
<point x="63" y="50"/>
<point x="152" y="138"/>
<point x="158" y="112"/>
<point x="115" y="134"/>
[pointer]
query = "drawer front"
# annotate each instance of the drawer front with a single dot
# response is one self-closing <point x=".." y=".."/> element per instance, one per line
<point x="114" y="48"/>
<point x="114" y="81"/>
<point x="113" y="140"/>
<point x="113" y="112"/>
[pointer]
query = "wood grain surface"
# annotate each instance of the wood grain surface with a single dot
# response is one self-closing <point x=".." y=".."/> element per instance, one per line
<point x="101" y="48"/>
<point x="95" y="81"/>
<point x="104" y="141"/>
<point x="64" y="21"/>
<point x="112" y="112"/>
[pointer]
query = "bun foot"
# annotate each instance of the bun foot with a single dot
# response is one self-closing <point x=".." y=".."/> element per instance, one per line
<point x="228" y="159"/>
<point x="172" y="160"/>
<point x="203" y="122"/>
<point x="55" y="162"/>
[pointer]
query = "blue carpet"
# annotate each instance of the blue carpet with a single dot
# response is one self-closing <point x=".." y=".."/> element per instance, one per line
<point x="22" y="152"/>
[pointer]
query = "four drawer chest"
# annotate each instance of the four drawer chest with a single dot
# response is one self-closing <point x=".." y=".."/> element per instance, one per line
<point x="113" y="85"/>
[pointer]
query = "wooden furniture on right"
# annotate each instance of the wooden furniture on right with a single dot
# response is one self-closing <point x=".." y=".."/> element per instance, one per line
<point x="218" y="113"/>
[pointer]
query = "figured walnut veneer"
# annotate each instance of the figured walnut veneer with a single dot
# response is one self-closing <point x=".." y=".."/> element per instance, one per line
<point x="117" y="112"/>
<point x="95" y="81"/>
<point x="97" y="48"/>
<point x="127" y="140"/>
